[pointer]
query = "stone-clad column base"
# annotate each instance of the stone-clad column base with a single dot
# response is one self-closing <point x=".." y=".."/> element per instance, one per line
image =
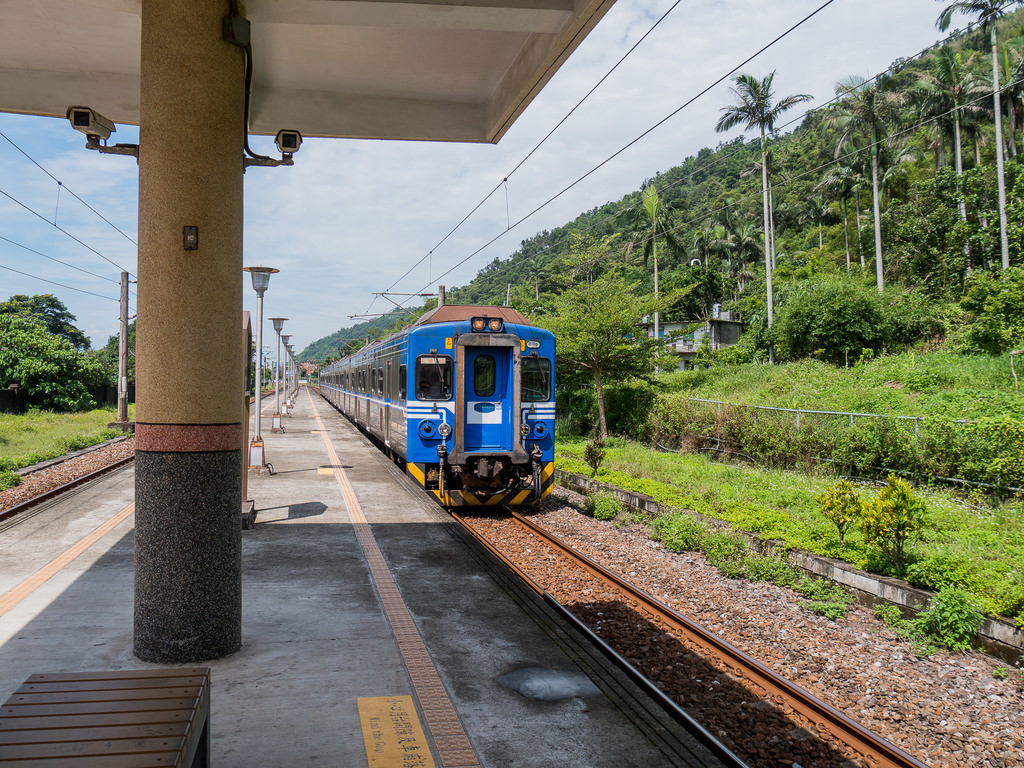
<point x="188" y="582"/>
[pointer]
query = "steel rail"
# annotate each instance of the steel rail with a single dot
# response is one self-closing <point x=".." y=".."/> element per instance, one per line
<point x="876" y="751"/>
<point x="54" y="492"/>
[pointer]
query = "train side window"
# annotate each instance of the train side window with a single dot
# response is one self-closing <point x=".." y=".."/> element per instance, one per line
<point x="535" y="379"/>
<point x="434" y="377"/>
<point x="483" y="375"/>
<point x="403" y="387"/>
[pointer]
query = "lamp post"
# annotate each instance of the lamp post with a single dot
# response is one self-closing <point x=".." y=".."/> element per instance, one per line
<point x="291" y="373"/>
<point x="287" y="403"/>
<point x="260" y="281"/>
<point x="278" y="378"/>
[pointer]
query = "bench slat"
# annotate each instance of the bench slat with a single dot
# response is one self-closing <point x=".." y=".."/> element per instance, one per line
<point x="150" y="760"/>
<point x="139" y="694"/>
<point x="92" y="748"/>
<point x="96" y="707"/>
<point x="86" y="686"/>
<point x="102" y="733"/>
<point x="124" y="674"/>
<point x="76" y="720"/>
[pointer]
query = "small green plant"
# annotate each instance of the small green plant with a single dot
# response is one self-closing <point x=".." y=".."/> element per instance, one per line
<point x="1000" y="673"/>
<point x="603" y="506"/>
<point x="905" y="629"/>
<point x="952" y="620"/>
<point x="594" y="454"/>
<point x="680" y="533"/>
<point x="892" y="520"/>
<point x="824" y="597"/>
<point x="8" y="479"/>
<point x="841" y="505"/>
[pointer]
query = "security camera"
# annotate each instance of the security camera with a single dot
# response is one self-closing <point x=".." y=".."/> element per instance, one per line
<point x="288" y="142"/>
<point x="91" y="123"/>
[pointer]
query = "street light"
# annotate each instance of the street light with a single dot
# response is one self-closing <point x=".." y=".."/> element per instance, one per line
<point x="287" y="402"/>
<point x="260" y="281"/>
<point x="278" y="378"/>
<point x="291" y="373"/>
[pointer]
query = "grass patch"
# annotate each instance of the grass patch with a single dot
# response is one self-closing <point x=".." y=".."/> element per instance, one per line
<point x="29" y="438"/>
<point x="985" y="545"/>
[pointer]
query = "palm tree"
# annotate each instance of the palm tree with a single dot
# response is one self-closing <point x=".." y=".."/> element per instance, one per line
<point x="840" y="182"/>
<point x="869" y="107"/>
<point x="754" y="108"/>
<point x="649" y="222"/>
<point x="987" y="12"/>
<point x="944" y="90"/>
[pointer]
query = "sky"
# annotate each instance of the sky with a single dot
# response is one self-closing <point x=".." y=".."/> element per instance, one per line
<point x="351" y="217"/>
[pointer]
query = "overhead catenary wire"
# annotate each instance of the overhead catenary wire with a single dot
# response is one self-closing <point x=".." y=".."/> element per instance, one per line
<point x="53" y="282"/>
<point x="837" y="98"/>
<point x="51" y="258"/>
<point x="62" y="186"/>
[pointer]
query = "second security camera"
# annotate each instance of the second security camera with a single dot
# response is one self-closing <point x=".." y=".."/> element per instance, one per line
<point x="288" y="142"/>
<point x="91" y="123"/>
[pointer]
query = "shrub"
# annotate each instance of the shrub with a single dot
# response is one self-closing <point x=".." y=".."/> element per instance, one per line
<point x="824" y="598"/>
<point x="593" y="454"/>
<point x="603" y="506"/>
<point x="952" y="620"/>
<point x="680" y="533"/>
<point x="727" y="551"/>
<point x="841" y="505"/>
<point x="8" y="479"/>
<point x="892" y="520"/>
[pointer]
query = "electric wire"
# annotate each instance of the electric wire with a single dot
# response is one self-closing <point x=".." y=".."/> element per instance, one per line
<point x="62" y="185"/>
<point x="51" y="258"/>
<point x="644" y="134"/>
<point x="64" y="231"/>
<point x="53" y="282"/>
<point x="717" y="159"/>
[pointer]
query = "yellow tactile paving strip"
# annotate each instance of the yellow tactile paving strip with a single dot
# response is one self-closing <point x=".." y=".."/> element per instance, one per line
<point x="450" y="740"/>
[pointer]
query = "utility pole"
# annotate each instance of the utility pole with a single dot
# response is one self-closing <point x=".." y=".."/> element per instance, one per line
<point x="122" y="355"/>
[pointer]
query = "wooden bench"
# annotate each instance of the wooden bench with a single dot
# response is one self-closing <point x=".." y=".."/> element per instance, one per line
<point x="131" y="719"/>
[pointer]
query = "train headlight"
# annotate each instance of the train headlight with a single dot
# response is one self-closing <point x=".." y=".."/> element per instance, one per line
<point x="540" y="429"/>
<point x="524" y="429"/>
<point x="494" y="324"/>
<point x="444" y="429"/>
<point x="478" y="324"/>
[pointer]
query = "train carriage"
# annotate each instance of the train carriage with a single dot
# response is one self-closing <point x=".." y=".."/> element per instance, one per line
<point x="464" y="399"/>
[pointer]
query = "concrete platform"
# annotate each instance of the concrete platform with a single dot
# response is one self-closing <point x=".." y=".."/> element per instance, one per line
<point x="323" y="627"/>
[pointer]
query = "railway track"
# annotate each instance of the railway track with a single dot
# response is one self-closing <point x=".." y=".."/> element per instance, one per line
<point x="822" y="721"/>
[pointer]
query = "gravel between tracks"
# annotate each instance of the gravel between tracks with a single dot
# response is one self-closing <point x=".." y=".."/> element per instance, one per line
<point x="948" y="710"/>
<point x="35" y="483"/>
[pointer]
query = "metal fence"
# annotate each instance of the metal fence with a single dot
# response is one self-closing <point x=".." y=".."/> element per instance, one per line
<point x="986" y="454"/>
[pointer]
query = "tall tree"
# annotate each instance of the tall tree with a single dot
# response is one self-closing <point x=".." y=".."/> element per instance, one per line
<point x="649" y="223"/>
<point x="598" y="325"/>
<point x="49" y="310"/>
<point x="756" y="107"/>
<point x="987" y="12"/>
<point x="872" y="108"/>
<point x="840" y="182"/>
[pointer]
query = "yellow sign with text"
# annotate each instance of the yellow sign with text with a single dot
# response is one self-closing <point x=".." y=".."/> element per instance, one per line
<point x="392" y="733"/>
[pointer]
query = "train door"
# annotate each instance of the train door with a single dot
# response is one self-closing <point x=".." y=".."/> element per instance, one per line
<point x="488" y="400"/>
<point x="386" y="426"/>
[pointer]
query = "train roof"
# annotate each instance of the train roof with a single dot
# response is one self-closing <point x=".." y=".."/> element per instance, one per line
<point x="452" y="312"/>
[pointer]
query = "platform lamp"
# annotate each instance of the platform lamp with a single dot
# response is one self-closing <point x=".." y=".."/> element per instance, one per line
<point x="260" y="281"/>
<point x="287" y="402"/>
<point x="278" y="377"/>
<point x="293" y="384"/>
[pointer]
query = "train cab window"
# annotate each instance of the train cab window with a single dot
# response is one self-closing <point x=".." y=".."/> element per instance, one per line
<point x="403" y="386"/>
<point x="433" y="376"/>
<point x="484" y="375"/>
<point x="535" y="377"/>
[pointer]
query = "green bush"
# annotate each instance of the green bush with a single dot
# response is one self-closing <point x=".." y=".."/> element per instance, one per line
<point x="594" y="454"/>
<point x="603" y="506"/>
<point x="841" y="505"/>
<point x="8" y="479"/>
<point x="892" y="520"/>
<point x="824" y="597"/>
<point x="680" y="533"/>
<point x="952" y="620"/>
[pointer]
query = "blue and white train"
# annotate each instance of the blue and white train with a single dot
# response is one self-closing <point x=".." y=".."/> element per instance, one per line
<point x="463" y="398"/>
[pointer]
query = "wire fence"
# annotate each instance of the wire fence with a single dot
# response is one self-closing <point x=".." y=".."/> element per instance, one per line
<point x="986" y="453"/>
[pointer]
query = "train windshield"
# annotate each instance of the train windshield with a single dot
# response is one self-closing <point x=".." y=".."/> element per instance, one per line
<point x="434" y="377"/>
<point x="536" y="379"/>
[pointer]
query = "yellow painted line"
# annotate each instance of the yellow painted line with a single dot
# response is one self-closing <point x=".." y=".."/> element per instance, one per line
<point x="55" y="566"/>
<point x="392" y="733"/>
<point x="450" y="739"/>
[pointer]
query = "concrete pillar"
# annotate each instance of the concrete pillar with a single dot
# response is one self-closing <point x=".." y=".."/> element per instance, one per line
<point x="189" y="366"/>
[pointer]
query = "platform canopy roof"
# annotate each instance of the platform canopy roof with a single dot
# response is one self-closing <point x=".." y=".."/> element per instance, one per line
<point x="447" y="70"/>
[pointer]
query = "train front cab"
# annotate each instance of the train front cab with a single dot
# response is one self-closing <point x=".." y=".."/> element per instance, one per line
<point x="499" y="449"/>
